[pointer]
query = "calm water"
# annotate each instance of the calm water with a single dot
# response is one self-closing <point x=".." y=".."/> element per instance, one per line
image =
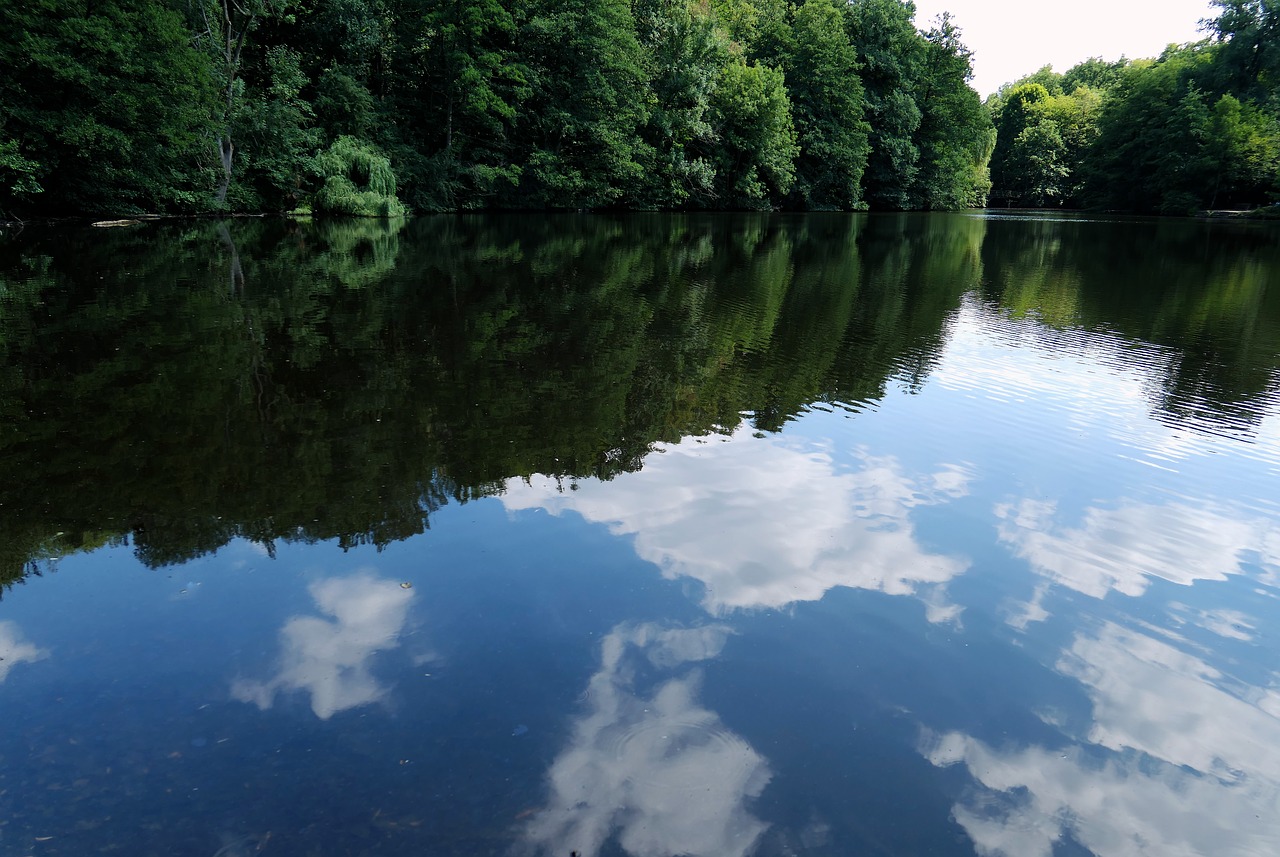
<point x="646" y="536"/>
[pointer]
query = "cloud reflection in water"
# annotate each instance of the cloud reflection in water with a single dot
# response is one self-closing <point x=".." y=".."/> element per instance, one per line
<point x="1125" y="547"/>
<point x="765" y="522"/>
<point x="1183" y="761"/>
<point x="330" y="658"/>
<point x="658" y="769"/>
<point x="16" y="649"/>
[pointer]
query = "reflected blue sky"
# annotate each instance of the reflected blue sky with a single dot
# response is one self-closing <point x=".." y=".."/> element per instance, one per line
<point x="1179" y="759"/>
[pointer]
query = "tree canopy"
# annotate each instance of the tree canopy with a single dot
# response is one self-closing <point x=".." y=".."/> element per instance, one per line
<point x="1197" y="128"/>
<point x="172" y="106"/>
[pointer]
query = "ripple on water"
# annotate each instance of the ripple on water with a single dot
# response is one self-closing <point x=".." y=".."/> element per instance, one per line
<point x="1066" y="388"/>
<point x="683" y="755"/>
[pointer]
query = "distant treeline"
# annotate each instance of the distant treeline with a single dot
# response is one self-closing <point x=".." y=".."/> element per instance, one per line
<point x="1198" y="128"/>
<point x="372" y="106"/>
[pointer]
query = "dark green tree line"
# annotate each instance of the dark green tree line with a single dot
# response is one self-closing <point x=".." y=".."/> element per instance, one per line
<point x="170" y="106"/>
<point x="1196" y="128"/>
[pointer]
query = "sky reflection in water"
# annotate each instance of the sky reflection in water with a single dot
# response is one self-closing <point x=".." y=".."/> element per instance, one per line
<point x="764" y="522"/>
<point x="331" y="658"/>
<point x="1020" y="599"/>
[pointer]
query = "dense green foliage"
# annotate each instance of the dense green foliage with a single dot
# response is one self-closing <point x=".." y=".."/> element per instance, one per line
<point x="122" y="106"/>
<point x="104" y="106"/>
<point x="1197" y="128"/>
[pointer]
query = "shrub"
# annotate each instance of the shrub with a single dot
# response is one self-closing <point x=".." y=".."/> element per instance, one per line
<point x="358" y="180"/>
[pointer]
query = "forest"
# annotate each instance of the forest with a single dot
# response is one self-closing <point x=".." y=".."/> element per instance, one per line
<point x="1197" y="128"/>
<point x="378" y="106"/>
<point x="384" y="107"/>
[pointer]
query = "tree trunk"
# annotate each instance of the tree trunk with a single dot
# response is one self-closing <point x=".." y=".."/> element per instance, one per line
<point x="225" y="151"/>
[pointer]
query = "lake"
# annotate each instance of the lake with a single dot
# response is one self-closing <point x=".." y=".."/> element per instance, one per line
<point x="643" y="535"/>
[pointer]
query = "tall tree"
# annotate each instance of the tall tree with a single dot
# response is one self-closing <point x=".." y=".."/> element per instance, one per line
<point x="756" y="139"/>
<point x="891" y="53"/>
<point x="1245" y="150"/>
<point x="580" y="124"/>
<point x="223" y="28"/>
<point x="956" y="137"/>
<point x="1014" y="111"/>
<point x="827" y="98"/>
<point x="1152" y="149"/>
<point x="1248" y="62"/>
<point x="280" y="124"/>
<point x="685" y="53"/>
<point x="474" y="86"/>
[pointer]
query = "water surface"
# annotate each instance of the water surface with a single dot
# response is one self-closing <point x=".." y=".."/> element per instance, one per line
<point x="647" y="535"/>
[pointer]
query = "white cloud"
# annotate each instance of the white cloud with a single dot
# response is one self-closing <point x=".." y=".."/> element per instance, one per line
<point x="1193" y="766"/>
<point x="1231" y="624"/>
<point x="16" y="649"/>
<point x="659" y="771"/>
<point x="1124" y="547"/>
<point x="764" y="522"/>
<point x="1023" y="614"/>
<point x="330" y="658"/>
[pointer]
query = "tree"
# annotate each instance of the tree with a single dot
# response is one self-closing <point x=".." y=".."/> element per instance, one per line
<point x="1152" y="150"/>
<point x="1040" y="154"/>
<point x="474" y="84"/>
<point x="762" y="28"/>
<point x="17" y="175"/>
<point x="891" y="53"/>
<point x="1075" y="117"/>
<point x="956" y="137"/>
<point x="827" y="99"/>
<point x="223" y="27"/>
<point x="580" y="146"/>
<point x="357" y="180"/>
<point x="756" y="140"/>
<point x="1095" y="73"/>
<point x="685" y="54"/>
<point x="1245" y="145"/>
<point x="280" y="125"/>
<point x="1017" y="111"/>
<point x="1248" y="34"/>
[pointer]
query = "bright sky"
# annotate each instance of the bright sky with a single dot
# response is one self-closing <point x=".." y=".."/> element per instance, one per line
<point x="1013" y="39"/>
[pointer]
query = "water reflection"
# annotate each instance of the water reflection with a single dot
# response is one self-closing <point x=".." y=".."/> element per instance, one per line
<point x="377" y="371"/>
<point x="1202" y="290"/>
<point x="1124" y="547"/>
<point x="355" y="378"/>
<point x="647" y="763"/>
<point x="805" y="411"/>
<point x="331" y="659"/>
<point x="16" y="649"/>
<point x="765" y="521"/>
<point x="1179" y="759"/>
